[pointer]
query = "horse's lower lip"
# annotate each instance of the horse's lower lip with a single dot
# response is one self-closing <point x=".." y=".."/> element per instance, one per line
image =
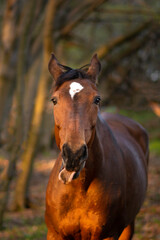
<point x="66" y="176"/>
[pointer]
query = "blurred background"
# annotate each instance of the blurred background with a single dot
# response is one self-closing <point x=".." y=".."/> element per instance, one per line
<point x="126" y="36"/>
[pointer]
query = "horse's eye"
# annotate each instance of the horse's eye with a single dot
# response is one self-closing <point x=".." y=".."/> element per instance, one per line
<point x="54" y="100"/>
<point x="97" y="100"/>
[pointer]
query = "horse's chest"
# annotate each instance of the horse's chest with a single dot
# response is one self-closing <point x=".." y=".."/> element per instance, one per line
<point x="76" y="212"/>
<point x="84" y="214"/>
<point x="81" y="219"/>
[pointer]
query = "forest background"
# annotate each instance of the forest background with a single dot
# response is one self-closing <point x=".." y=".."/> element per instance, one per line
<point x="126" y="36"/>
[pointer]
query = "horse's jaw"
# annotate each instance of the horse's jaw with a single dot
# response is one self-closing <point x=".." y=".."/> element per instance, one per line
<point x="66" y="176"/>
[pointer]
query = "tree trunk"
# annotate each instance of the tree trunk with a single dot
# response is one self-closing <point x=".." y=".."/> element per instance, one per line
<point x="16" y="147"/>
<point x="21" y="199"/>
<point x="47" y="127"/>
<point x="6" y="50"/>
<point x="6" y="83"/>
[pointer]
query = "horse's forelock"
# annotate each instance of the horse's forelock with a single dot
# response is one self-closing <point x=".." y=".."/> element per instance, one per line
<point x="70" y="75"/>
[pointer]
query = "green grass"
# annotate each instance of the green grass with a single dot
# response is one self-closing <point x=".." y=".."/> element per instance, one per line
<point x="25" y="228"/>
<point x="35" y="232"/>
<point x="27" y="232"/>
<point x="155" y="146"/>
<point x="142" y="117"/>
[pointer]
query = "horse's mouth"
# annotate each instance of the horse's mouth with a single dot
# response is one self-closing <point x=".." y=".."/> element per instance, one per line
<point x="67" y="176"/>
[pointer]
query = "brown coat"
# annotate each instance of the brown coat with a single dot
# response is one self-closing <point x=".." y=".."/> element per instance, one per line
<point x="109" y="189"/>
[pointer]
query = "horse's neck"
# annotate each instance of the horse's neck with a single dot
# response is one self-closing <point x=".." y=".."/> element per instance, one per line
<point x="103" y="134"/>
<point x="97" y="158"/>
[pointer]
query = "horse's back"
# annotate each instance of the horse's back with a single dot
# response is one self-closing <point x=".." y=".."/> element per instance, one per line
<point x="121" y="125"/>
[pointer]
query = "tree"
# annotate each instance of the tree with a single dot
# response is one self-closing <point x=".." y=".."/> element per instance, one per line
<point x="31" y="30"/>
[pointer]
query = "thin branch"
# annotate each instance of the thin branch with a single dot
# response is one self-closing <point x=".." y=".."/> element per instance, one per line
<point x="71" y="25"/>
<point x="105" y="49"/>
<point x="128" y="51"/>
<point x="142" y="12"/>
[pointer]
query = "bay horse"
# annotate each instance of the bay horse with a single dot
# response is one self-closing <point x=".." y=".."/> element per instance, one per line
<point x="99" y="180"/>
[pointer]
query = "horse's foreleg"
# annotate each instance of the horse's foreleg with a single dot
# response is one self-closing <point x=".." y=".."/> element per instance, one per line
<point x="127" y="233"/>
<point x="52" y="236"/>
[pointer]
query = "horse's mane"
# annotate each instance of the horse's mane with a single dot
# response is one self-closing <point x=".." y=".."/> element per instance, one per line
<point x="69" y="74"/>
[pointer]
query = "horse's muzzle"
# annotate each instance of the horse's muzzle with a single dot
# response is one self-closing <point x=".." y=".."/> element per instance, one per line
<point x="73" y="160"/>
<point x="72" y="163"/>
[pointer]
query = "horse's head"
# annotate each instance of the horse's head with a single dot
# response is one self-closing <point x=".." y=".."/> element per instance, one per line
<point x="76" y="103"/>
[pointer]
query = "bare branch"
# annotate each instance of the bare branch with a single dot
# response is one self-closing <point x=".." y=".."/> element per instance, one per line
<point x="69" y="27"/>
<point x="128" y="51"/>
<point x="105" y="49"/>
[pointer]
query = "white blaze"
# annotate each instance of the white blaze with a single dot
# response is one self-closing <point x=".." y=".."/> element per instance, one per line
<point x="75" y="88"/>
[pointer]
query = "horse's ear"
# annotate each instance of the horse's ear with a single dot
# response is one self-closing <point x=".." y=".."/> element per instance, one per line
<point x="55" y="67"/>
<point x="94" y="68"/>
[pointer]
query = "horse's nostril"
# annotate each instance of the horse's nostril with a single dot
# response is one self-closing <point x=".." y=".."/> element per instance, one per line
<point x="84" y="152"/>
<point x="66" y="152"/>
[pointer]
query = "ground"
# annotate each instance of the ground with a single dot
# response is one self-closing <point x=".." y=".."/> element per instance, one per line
<point x="30" y="224"/>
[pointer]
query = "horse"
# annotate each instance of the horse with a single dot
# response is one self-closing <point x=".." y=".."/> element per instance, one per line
<point x="99" y="180"/>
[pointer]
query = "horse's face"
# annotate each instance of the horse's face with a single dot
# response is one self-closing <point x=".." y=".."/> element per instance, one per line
<point x="76" y="104"/>
<point x="75" y="112"/>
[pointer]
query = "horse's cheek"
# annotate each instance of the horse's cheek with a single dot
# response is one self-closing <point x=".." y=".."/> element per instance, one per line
<point x="56" y="132"/>
<point x="90" y="137"/>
